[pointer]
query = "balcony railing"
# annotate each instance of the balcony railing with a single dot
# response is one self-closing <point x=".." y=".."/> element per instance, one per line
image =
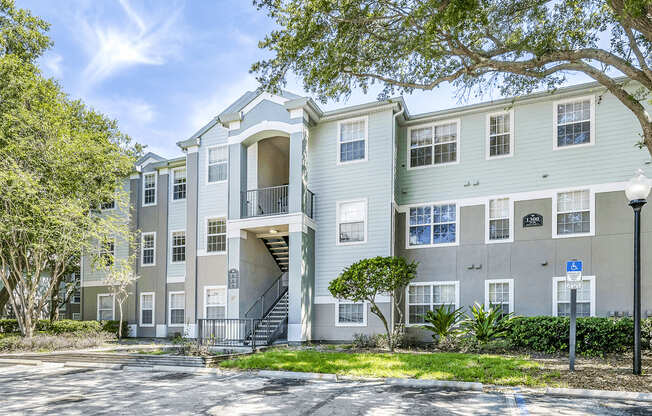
<point x="272" y="201"/>
<point x="227" y="332"/>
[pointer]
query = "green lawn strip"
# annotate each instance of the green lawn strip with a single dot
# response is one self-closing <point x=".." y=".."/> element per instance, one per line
<point x="488" y="369"/>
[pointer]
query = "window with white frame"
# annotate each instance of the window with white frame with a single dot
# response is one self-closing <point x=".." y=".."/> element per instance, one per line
<point x="352" y="142"/>
<point x="573" y="119"/>
<point x="585" y="297"/>
<point x="500" y="294"/>
<point x="178" y="247"/>
<point x="432" y="224"/>
<point x="148" y="249"/>
<point x="107" y="252"/>
<point x="573" y="212"/>
<point x="216" y="235"/>
<point x="147" y="309"/>
<point x="76" y="316"/>
<point x="215" y="302"/>
<point x="177" y="303"/>
<point x="179" y="184"/>
<point x="499" y="219"/>
<point x="149" y="189"/>
<point x="218" y="158"/>
<point x="76" y="296"/>
<point x="500" y="136"/>
<point x="105" y="306"/>
<point x="433" y="145"/>
<point x="350" y="313"/>
<point x="351" y="222"/>
<point x="428" y="296"/>
<point x="108" y="205"/>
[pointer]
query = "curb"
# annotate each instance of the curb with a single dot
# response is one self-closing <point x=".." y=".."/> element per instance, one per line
<point x="81" y="364"/>
<point x="600" y="394"/>
<point x="297" y="375"/>
<point x="441" y="384"/>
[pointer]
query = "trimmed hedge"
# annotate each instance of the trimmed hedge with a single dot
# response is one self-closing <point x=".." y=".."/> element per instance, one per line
<point x="66" y="326"/>
<point x="595" y="336"/>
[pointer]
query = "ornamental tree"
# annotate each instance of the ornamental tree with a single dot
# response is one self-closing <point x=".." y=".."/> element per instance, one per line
<point x="474" y="44"/>
<point x="367" y="279"/>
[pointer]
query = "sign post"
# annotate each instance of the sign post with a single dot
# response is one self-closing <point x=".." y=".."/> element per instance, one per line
<point x="573" y="282"/>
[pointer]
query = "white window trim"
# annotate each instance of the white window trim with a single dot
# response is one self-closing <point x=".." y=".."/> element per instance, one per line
<point x="115" y="206"/>
<point x="179" y="292"/>
<point x="76" y="316"/>
<point x="591" y="142"/>
<point x="555" y="282"/>
<point x="155" y="189"/>
<point x="226" y="307"/>
<point x="172" y="245"/>
<point x="337" y="221"/>
<point x="510" y="112"/>
<point x="140" y="314"/>
<point x="208" y="151"/>
<point x="555" y="196"/>
<point x="430" y="283"/>
<point x="432" y="125"/>
<point x="214" y="253"/>
<point x="97" y="306"/>
<point x="142" y="249"/>
<point x="511" y="222"/>
<point x="457" y="226"/>
<point x="350" y="324"/>
<point x="172" y="185"/>
<point x="511" y="292"/>
<point x="366" y="140"/>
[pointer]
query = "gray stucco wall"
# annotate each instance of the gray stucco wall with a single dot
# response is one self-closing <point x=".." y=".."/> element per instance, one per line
<point x="324" y="329"/>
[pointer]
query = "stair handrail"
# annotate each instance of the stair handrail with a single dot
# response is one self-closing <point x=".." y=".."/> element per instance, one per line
<point x="260" y="302"/>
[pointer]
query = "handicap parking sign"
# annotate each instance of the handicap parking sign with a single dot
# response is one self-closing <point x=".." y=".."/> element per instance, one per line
<point x="573" y="266"/>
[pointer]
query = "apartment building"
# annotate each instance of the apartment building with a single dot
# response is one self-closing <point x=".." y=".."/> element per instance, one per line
<point x="274" y="197"/>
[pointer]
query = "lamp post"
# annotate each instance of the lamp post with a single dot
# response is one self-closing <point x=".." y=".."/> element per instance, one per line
<point x="637" y="191"/>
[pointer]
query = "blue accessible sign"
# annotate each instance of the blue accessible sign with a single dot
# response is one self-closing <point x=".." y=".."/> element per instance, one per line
<point x="573" y="266"/>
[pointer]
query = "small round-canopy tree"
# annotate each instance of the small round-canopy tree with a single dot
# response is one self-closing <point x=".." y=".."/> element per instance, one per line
<point x="364" y="280"/>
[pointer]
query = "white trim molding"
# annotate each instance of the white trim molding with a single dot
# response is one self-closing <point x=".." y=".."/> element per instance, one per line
<point x="432" y="224"/>
<point x="271" y="126"/>
<point x="339" y="324"/>
<point x="142" y="249"/>
<point x="553" y="221"/>
<point x="185" y="246"/>
<point x="591" y="142"/>
<point x="432" y="125"/>
<point x="296" y="222"/>
<point x="97" y="306"/>
<point x="208" y="164"/>
<point x="153" y="309"/>
<point x="145" y="175"/>
<point x="338" y="142"/>
<point x="487" y="142"/>
<point x="226" y="301"/>
<point x="338" y="206"/>
<point x="555" y="300"/>
<point x="264" y="96"/>
<point x="511" y="292"/>
<point x="178" y="292"/>
<point x="487" y="218"/>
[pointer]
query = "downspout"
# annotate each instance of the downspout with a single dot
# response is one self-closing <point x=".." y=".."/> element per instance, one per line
<point x="392" y="219"/>
<point x="196" y="236"/>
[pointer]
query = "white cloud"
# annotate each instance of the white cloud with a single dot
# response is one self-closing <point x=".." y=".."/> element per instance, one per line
<point x="52" y="64"/>
<point x="129" y="111"/>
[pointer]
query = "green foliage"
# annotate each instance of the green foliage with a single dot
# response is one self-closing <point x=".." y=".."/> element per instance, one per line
<point x="51" y="342"/>
<point x="64" y="326"/>
<point x="72" y="326"/>
<point x="113" y="326"/>
<point x="487" y="324"/>
<point x="22" y="34"/>
<point x="443" y="322"/>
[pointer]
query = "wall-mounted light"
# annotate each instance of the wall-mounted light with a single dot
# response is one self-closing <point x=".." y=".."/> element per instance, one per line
<point x="273" y="231"/>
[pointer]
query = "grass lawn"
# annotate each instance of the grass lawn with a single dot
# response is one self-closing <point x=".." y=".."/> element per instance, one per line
<point x="489" y="369"/>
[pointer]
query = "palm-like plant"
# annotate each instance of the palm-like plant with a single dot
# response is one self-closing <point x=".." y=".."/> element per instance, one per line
<point x="487" y="324"/>
<point x="443" y="322"/>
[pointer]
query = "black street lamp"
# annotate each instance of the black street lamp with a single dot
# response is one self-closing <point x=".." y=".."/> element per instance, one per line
<point x="637" y="191"/>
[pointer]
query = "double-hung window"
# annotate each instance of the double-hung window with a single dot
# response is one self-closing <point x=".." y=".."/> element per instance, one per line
<point x="585" y="297"/>
<point x="573" y="212"/>
<point x="179" y="184"/>
<point x="178" y="247"/>
<point x="424" y="297"/>
<point x="216" y="235"/>
<point x="499" y="293"/>
<point x="105" y="303"/>
<point x="350" y="313"/>
<point x="352" y="140"/>
<point x="573" y="122"/>
<point x="436" y="144"/>
<point x="215" y="302"/>
<point x="218" y="158"/>
<point x="148" y="249"/>
<point x="500" y="134"/>
<point x="149" y="189"/>
<point x="500" y="222"/>
<point x="432" y="225"/>
<point x="147" y="309"/>
<point x="352" y="222"/>
<point x="107" y="252"/>
<point x="177" y="303"/>
<point x="108" y="205"/>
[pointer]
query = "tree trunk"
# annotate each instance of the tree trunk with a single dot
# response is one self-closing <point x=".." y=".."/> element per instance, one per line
<point x="647" y="137"/>
<point x="120" y="322"/>
<point x="376" y="311"/>
<point x="28" y="327"/>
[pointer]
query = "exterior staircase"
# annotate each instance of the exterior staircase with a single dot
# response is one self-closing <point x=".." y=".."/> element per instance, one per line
<point x="278" y="247"/>
<point x="274" y="325"/>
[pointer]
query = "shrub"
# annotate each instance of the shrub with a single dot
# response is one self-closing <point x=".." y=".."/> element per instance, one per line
<point x="443" y="322"/>
<point x="646" y="333"/>
<point x="69" y="326"/>
<point x="487" y="324"/>
<point x="46" y="342"/>
<point x="9" y="326"/>
<point x="112" y="327"/>
<point x="364" y="341"/>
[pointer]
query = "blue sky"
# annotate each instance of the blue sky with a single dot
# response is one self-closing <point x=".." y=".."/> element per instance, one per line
<point x="165" y="68"/>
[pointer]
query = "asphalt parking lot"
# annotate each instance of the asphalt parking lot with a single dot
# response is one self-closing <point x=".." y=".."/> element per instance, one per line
<point x="52" y="390"/>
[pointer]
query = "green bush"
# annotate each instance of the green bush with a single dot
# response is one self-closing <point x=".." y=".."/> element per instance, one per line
<point x="112" y="327"/>
<point x="65" y="326"/>
<point x="69" y="326"/>
<point x="487" y="325"/>
<point x="443" y="322"/>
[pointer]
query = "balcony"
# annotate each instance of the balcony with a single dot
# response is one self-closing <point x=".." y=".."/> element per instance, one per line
<point x="270" y="201"/>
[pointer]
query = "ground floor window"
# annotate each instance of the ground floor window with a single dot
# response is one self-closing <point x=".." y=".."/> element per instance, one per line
<point x="500" y="293"/>
<point x="147" y="309"/>
<point x="585" y="297"/>
<point x="177" y="308"/>
<point x="350" y="314"/>
<point x="215" y="302"/>
<point x="426" y="296"/>
<point x="105" y="307"/>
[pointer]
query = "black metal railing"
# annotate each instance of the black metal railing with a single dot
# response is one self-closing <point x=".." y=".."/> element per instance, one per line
<point x="268" y="299"/>
<point x="265" y="201"/>
<point x="309" y="203"/>
<point x="227" y="332"/>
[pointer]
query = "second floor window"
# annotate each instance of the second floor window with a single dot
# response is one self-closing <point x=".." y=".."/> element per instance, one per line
<point x="351" y="221"/>
<point x="149" y="189"/>
<point x="431" y="225"/>
<point x="148" y="249"/>
<point x="499" y="219"/>
<point x="179" y="184"/>
<point x="433" y="145"/>
<point x="352" y="140"/>
<point x="217" y="164"/>
<point x="216" y="235"/>
<point x="178" y="247"/>
<point x="573" y="212"/>
<point x="107" y="252"/>
<point x="499" y="134"/>
<point x="573" y="122"/>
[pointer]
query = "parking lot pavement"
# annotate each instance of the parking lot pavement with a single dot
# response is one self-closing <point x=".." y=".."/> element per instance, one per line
<point x="55" y="390"/>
